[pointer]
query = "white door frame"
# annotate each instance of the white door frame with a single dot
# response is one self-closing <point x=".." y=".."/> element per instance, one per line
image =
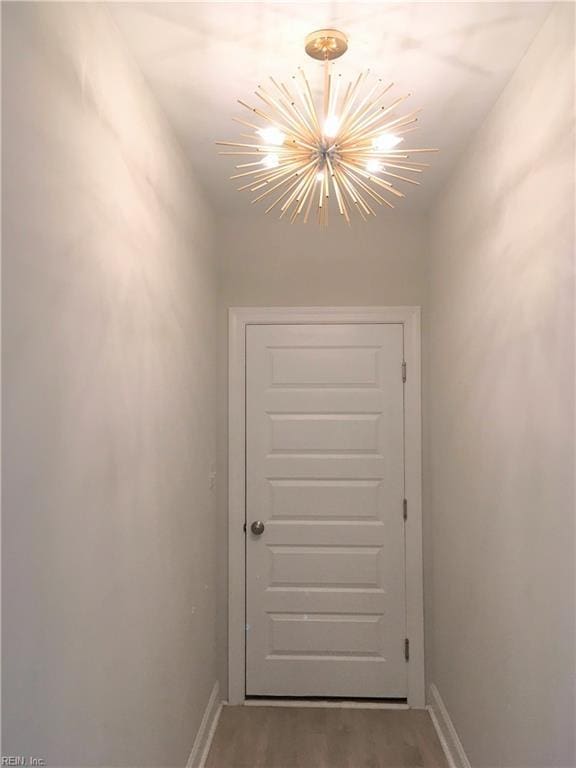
<point x="239" y="318"/>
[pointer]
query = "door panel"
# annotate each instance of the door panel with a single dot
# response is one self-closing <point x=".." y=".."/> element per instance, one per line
<point x="330" y="366"/>
<point x="325" y="499"/>
<point x="323" y="433"/>
<point x="325" y="473"/>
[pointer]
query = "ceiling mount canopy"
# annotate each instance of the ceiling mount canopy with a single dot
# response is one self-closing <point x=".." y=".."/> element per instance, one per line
<point x="346" y="147"/>
<point x="326" y="44"/>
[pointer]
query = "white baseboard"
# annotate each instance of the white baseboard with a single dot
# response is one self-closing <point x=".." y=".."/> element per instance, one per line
<point x="322" y="704"/>
<point x="447" y="734"/>
<point x="206" y="730"/>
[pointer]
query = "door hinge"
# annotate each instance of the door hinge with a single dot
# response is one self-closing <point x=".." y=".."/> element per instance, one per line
<point x="407" y="649"/>
<point x="405" y="509"/>
<point x="403" y="371"/>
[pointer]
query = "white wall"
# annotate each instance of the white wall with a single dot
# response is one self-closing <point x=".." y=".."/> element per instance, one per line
<point x="269" y="262"/>
<point x="109" y="374"/>
<point x="501" y="400"/>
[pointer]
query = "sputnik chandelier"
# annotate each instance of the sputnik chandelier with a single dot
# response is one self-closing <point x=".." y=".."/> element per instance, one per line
<point x="346" y="148"/>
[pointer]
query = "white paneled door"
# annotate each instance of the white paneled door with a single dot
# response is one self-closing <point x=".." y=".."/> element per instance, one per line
<point x="325" y="578"/>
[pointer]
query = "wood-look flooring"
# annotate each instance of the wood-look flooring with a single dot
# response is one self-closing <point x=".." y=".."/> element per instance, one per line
<point x="307" y="737"/>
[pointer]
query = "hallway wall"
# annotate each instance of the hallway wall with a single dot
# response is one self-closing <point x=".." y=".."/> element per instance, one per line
<point x="273" y="263"/>
<point x="108" y="405"/>
<point x="501" y="403"/>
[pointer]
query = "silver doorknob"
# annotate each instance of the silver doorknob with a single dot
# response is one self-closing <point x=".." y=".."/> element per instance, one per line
<point x="257" y="528"/>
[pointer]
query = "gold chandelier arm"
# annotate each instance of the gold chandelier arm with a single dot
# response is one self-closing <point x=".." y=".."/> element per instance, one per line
<point x="262" y="171"/>
<point x="371" y="131"/>
<point x="272" y="175"/>
<point x="403" y="121"/>
<point x="297" y="173"/>
<point x="299" y="126"/>
<point x="361" y="120"/>
<point x="362" y="108"/>
<point x="307" y="193"/>
<point x="374" y="179"/>
<point x="349" y="107"/>
<point x="339" y="198"/>
<point x="294" y="194"/>
<point x="281" y="170"/>
<point x="303" y="196"/>
<point x="371" y="105"/>
<point x="401" y="178"/>
<point x="372" y="192"/>
<point x="289" y="101"/>
<point x="364" y="138"/>
<point x="308" y="207"/>
<point x="278" y="108"/>
<point x="403" y="167"/>
<point x="412" y="151"/>
<point x="282" y="195"/>
<point x="278" y="184"/>
<point x="246" y="123"/>
<point x="275" y="121"/>
<point x="311" y="127"/>
<point x="310" y="100"/>
<point x="307" y="105"/>
<point x="264" y="181"/>
<point x="356" y="197"/>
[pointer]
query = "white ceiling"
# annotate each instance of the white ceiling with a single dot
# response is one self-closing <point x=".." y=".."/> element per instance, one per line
<point x="199" y="57"/>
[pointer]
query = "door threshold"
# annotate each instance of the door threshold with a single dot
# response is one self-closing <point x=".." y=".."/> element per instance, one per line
<point x="330" y="703"/>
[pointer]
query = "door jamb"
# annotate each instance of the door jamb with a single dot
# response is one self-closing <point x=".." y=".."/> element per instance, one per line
<point x="239" y="318"/>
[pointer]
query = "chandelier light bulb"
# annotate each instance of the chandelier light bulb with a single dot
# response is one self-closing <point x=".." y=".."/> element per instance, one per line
<point x="386" y="141"/>
<point x="341" y="150"/>
<point x="373" y="166"/>
<point x="331" y="126"/>
<point x="270" y="161"/>
<point x="272" y="136"/>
